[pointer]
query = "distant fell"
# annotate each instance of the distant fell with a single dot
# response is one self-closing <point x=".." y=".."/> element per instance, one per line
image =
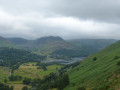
<point x="48" y="39"/>
<point x="5" y="43"/>
<point x="58" y="46"/>
<point x="18" y="41"/>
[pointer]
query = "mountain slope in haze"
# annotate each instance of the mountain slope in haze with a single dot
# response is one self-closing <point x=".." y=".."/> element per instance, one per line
<point x="84" y="47"/>
<point x="18" y="41"/>
<point x="21" y="43"/>
<point x="92" y="45"/>
<point x="39" y="41"/>
<point x="100" y="71"/>
<point x="49" y="43"/>
<point x="61" y="47"/>
<point x="5" y="43"/>
<point x="53" y="43"/>
<point x="49" y="39"/>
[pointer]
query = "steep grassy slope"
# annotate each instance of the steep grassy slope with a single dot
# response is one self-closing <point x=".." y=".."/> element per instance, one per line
<point x="101" y="73"/>
<point x="84" y="47"/>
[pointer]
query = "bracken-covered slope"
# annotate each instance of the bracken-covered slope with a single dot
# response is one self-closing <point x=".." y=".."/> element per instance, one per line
<point x="100" y="71"/>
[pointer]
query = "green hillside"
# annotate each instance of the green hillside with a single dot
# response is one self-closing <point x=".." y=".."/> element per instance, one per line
<point x="98" y="72"/>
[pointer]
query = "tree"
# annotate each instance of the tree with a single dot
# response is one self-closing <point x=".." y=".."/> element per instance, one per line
<point x="15" y="78"/>
<point x="25" y="88"/>
<point x="44" y="68"/>
<point x="5" y="80"/>
<point x="81" y="88"/>
<point x="66" y="79"/>
<point x="94" y="59"/>
<point x="63" y="82"/>
<point x="27" y="81"/>
<point x="11" y="88"/>
<point x="116" y="57"/>
<point x="4" y="87"/>
<point x="118" y="63"/>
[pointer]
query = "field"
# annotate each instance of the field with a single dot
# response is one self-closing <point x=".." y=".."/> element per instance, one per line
<point x="28" y="70"/>
<point x="4" y="72"/>
<point x="31" y="71"/>
<point x="18" y="86"/>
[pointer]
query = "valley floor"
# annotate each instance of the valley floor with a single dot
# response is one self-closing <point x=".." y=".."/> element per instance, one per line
<point x="28" y="70"/>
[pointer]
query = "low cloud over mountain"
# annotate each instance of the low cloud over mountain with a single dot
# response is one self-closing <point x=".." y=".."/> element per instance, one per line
<point x="66" y="18"/>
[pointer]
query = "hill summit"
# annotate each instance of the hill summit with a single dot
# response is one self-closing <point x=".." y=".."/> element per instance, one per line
<point x="49" y="39"/>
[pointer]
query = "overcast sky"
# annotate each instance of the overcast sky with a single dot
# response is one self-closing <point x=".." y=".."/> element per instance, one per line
<point x="69" y="19"/>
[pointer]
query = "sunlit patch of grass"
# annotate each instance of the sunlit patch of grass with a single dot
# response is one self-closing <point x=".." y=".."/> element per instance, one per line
<point x="4" y="72"/>
<point x="31" y="71"/>
<point x="18" y="86"/>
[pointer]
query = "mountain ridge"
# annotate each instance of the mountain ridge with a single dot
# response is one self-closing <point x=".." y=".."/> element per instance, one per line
<point x="56" y="44"/>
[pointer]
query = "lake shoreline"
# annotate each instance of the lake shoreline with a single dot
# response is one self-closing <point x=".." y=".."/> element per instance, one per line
<point x="62" y="61"/>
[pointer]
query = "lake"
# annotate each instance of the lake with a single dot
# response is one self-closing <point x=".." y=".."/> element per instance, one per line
<point x="62" y="61"/>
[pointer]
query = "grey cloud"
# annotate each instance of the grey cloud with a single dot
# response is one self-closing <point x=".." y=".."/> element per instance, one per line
<point x="102" y="10"/>
<point x="66" y="18"/>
